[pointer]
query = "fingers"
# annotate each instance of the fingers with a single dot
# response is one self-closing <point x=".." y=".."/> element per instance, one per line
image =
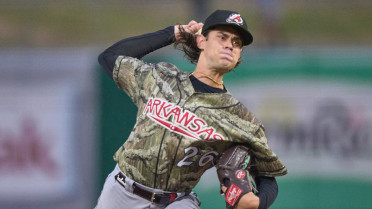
<point x="223" y="189"/>
<point x="191" y="23"/>
<point x="194" y="27"/>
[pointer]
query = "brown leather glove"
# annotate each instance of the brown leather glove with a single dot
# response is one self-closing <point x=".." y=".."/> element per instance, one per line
<point x="232" y="173"/>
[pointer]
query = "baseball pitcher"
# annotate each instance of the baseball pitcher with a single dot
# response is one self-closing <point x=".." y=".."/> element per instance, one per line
<point x="188" y="122"/>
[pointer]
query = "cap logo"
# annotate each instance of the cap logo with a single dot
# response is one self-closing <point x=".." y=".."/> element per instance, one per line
<point x="235" y="18"/>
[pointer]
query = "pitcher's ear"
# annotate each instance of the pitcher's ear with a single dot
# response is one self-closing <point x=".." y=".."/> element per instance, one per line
<point x="200" y="41"/>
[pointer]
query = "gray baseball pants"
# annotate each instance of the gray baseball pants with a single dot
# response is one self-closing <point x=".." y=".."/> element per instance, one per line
<point x="115" y="196"/>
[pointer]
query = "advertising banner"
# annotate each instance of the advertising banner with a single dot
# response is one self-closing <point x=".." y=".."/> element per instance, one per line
<point x="47" y="129"/>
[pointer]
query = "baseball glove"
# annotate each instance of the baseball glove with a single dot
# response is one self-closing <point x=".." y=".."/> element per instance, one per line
<point x="232" y="171"/>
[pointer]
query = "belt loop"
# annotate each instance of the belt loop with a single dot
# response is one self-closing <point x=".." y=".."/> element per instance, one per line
<point x="120" y="179"/>
<point x="127" y="183"/>
<point x="152" y="197"/>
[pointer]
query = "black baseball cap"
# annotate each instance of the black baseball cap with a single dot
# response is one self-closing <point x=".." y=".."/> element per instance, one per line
<point x="229" y="18"/>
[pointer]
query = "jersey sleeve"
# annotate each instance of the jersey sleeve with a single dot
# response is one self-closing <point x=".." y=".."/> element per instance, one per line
<point x="131" y="75"/>
<point x="141" y="80"/>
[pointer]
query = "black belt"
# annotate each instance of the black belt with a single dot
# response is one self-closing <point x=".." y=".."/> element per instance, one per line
<point x="159" y="198"/>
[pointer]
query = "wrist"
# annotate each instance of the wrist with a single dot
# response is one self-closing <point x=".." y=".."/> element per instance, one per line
<point x="249" y="201"/>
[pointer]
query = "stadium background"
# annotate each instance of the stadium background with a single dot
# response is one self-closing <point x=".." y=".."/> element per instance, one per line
<point x="307" y="77"/>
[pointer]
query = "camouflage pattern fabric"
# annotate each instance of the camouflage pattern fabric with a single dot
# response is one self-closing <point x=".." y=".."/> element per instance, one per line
<point x="180" y="133"/>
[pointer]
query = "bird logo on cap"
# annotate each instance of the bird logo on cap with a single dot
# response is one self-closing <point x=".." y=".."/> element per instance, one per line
<point x="235" y="18"/>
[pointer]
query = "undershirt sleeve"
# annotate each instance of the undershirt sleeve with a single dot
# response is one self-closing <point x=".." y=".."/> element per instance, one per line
<point x="137" y="47"/>
<point x="268" y="191"/>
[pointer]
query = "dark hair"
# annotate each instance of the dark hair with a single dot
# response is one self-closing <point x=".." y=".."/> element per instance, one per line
<point x="187" y="43"/>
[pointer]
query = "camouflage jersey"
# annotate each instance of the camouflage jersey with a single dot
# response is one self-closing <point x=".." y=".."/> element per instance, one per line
<point x="180" y="133"/>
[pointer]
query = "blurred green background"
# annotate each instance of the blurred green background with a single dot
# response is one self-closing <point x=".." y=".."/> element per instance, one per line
<point x="42" y="23"/>
<point x="277" y="25"/>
